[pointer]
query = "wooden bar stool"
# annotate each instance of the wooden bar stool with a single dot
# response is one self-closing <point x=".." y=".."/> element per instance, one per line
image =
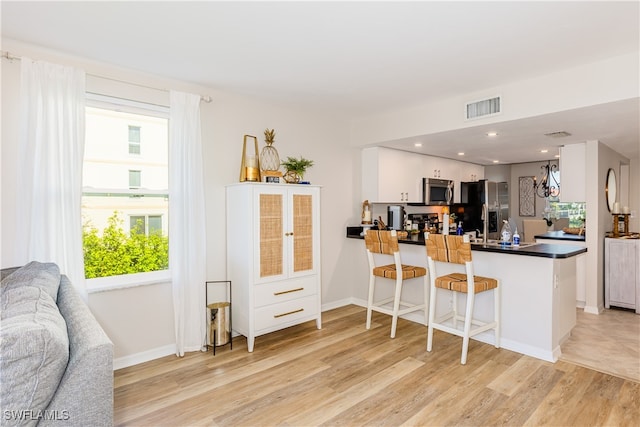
<point x="457" y="249"/>
<point x="386" y="243"/>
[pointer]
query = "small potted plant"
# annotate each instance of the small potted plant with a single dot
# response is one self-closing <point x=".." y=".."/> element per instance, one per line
<point x="295" y="169"/>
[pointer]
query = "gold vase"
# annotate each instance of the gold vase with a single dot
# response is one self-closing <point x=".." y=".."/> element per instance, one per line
<point x="269" y="158"/>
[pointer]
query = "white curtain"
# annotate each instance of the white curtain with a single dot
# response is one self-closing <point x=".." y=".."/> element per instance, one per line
<point x="187" y="243"/>
<point x="51" y="150"/>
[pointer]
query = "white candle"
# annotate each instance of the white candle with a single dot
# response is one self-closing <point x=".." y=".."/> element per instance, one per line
<point x="625" y="210"/>
<point x="445" y="224"/>
<point x="367" y="216"/>
<point x="616" y="208"/>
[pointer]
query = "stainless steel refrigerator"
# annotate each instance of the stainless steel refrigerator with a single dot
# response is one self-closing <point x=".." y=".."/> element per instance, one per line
<point x="484" y="205"/>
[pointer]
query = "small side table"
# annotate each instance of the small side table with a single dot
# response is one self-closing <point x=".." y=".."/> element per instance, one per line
<point x="215" y="313"/>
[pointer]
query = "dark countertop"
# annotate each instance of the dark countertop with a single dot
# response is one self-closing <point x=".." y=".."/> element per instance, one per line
<point x="545" y="250"/>
<point x="560" y="235"/>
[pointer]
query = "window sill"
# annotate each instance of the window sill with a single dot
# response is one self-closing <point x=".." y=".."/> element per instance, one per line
<point x="103" y="284"/>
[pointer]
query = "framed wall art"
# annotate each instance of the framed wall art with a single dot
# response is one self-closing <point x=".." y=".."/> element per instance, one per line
<point x="527" y="196"/>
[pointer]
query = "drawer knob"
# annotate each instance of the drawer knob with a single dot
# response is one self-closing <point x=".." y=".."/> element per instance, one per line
<point x="290" y="312"/>
<point x="289" y="291"/>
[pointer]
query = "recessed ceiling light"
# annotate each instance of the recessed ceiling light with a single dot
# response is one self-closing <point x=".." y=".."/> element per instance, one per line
<point x="496" y="161"/>
<point x="492" y="133"/>
<point x="417" y="144"/>
<point x="544" y="151"/>
<point x="461" y="154"/>
<point x="557" y="156"/>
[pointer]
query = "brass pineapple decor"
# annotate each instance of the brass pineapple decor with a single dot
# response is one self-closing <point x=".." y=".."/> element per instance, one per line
<point x="269" y="158"/>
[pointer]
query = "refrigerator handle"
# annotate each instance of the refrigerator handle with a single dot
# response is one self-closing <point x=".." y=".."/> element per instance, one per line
<point x="485" y="222"/>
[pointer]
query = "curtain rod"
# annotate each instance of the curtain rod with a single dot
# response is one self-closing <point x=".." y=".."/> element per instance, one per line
<point x="11" y="57"/>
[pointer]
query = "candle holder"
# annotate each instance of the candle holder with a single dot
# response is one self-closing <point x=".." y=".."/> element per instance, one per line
<point x="250" y="164"/>
<point x="620" y="224"/>
<point x="366" y="212"/>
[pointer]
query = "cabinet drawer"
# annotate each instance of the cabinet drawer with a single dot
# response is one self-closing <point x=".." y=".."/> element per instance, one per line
<point x="287" y="312"/>
<point x="286" y="290"/>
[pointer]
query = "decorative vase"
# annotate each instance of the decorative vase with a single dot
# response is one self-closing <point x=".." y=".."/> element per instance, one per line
<point x="269" y="158"/>
<point x="292" y="177"/>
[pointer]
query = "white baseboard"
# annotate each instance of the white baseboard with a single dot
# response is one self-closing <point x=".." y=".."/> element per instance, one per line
<point x="337" y="304"/>
<point x="145" y="356"/>
<point x="592" y="310"/>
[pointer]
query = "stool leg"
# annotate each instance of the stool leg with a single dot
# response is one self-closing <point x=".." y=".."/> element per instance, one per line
<point x="426" y="299"/>
<point x="497" y="308"/>
<point x="396" y="305"/>
<point x="432" y="315"/>
<point x="467" y="327"/>
<point x="372" y="281"/>
<point x="454" y="297"/>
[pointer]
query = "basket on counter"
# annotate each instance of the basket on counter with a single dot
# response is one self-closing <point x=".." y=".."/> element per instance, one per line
<point x="574" y="230"/>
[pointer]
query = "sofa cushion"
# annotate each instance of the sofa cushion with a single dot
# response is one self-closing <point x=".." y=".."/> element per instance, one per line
<point x="42" y="275"/>
<point x="34" y="349"/>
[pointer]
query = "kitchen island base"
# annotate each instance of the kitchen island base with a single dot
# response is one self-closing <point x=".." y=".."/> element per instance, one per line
<point x="538" y="296"/>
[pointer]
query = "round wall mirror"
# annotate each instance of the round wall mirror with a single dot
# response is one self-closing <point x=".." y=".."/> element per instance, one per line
<point x="610" y="189"/>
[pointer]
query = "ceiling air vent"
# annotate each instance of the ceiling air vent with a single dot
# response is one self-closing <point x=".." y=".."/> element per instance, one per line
<point x="483" y="108"/>
<point x="560" y="134"/>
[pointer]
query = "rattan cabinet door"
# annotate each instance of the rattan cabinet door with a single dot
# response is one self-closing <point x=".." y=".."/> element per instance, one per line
<point x="288" y="232"/>
<point x="272" y="234"/>
<point x="302" y="236"/>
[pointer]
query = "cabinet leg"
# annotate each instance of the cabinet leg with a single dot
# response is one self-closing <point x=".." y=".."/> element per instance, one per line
<point x="250" y="342"/>
<point x="319" y="322"/>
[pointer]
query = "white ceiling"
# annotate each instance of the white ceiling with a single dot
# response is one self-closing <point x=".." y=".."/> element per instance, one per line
<point x="355" y="59"/>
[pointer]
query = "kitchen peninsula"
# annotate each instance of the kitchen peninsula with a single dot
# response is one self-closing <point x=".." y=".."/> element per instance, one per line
<point x="538" y="290"/>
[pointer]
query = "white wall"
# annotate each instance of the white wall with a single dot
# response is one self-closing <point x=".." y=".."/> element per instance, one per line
<point x="139" y="320"/>
<point x="610" y="80"/>
<point x="498" y="173"/>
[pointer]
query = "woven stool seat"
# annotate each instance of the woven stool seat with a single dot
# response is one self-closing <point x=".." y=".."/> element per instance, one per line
<point x="408" y="271"/>
<point x="384" y="244"/>
<point x="458" y="282"/>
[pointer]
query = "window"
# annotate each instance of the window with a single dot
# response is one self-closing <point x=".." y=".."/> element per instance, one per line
<point x="137" y="224"/>
<point x="134" y="139"/>
<point x="114" y="193"/>
<point x="145" y="224"/>
<point x="135" y="178"/>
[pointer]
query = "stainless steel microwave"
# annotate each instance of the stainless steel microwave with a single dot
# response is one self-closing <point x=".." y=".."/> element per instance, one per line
<point x="437" y="191"/>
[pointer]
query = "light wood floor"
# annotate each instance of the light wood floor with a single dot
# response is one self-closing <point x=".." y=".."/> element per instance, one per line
<point x="608" y="342"/>
<point x="346" y="375"/>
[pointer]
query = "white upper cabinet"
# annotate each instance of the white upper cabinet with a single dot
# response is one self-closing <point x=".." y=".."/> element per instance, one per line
<point x="391" y="176"/>
<point x="395" y="176"/>
<point x="573" y="173"/>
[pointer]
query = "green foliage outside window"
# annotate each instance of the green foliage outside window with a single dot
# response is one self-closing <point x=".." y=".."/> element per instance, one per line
<point x="575" y="211"/>
<point x="117" y="252"/>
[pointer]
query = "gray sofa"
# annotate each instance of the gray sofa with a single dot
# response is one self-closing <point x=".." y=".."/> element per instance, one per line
<point x="56" y="362"/>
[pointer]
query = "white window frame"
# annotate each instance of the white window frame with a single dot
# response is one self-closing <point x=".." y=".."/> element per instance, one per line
<point x="137" y="144"/>
<point x="102" y="284"/>
<point x="146" y="219"/>
<point x="137" y="174"/>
